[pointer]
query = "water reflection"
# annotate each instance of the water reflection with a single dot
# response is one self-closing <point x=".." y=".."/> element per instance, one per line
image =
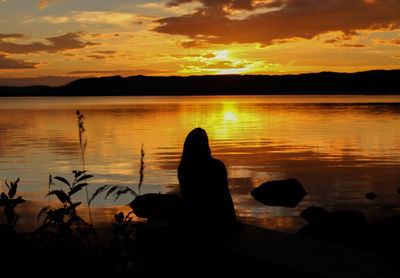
<point x="338" y="147"/>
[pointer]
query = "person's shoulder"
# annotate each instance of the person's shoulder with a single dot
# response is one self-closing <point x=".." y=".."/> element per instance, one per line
<point x="218" y="163"/>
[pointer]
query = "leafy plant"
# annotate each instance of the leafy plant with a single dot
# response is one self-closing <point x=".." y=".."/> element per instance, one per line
<point x="115" y="190"/>
<point x="9" y="202"/>
<point x="123" y="229"/>
<point x="118" y="190"/>
<point x="65" y="217"/>
<point x="124" y="243"/>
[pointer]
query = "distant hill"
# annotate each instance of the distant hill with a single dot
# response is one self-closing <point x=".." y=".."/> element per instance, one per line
<point x="368" y="82"/>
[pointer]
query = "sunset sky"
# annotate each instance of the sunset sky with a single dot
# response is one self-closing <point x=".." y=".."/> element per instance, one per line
<point x="54" y="41"/>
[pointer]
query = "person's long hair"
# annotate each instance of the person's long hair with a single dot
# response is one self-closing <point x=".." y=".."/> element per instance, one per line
<point x="196" y="147"/>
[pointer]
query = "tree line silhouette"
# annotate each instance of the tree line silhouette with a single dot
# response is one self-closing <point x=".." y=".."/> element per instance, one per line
<point x="367" y="82"/>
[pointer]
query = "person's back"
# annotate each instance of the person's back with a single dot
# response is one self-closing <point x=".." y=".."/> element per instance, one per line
<point x="204" y="184"/>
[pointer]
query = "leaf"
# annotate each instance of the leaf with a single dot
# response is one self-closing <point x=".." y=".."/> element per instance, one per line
<point x="13" y="190"/>
<point x="77" y="188"/>
<point x="78" y="173"/>
<point x="4" y="197"/>
<point x="122" y="191"/>
<point x="85" y="177"/>
<point x="115" y="187"/>
<point x="17" y="201"/>
<point x="119" y="217"/>
<point x="61" y="195"/>
<point x="72" y="207"/>
<point x="98" y="191"/>
<point x="63" y="180"/>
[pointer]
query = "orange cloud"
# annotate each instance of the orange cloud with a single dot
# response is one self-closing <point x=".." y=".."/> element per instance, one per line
<point x="395" y="41"/>
<point x="47" y="3"/>
<point x="10" y="63"/>
<point x="288" y="19"/>
<point x="56" y="44"/>
<point x="11" y="36"/>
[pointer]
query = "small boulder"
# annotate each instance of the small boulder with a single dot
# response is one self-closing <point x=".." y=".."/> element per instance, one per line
<point x="157" y="206"/>
<point x="315" y="214"/>
<point x="286" y="193"/>
<point x="345" y="226"/>
<point x="370" y="195"/>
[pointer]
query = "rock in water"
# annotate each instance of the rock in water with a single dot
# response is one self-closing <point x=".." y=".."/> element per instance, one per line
<point x="286" y="193"/>
<point x="157" y="206"/>
<point x="370" y="195"/>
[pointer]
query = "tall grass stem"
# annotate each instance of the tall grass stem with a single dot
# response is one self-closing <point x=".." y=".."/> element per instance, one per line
<point x="82" y="144"/>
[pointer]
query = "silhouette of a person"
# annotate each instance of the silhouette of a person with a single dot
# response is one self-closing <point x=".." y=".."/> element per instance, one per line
<point x="204" y="185"/>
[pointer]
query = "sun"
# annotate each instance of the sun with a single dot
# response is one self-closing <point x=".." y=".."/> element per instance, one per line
<point x="223" y="54"/>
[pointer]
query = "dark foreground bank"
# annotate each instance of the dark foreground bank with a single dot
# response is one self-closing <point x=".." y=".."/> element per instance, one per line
<point x="155" y="250"/>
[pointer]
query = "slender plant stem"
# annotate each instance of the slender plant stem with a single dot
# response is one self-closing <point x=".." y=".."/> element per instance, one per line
<point x="141" y="168"/>
<point x="83" y="148"/>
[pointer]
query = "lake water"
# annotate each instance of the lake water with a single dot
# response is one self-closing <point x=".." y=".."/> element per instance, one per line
<point x="337" y="147"/>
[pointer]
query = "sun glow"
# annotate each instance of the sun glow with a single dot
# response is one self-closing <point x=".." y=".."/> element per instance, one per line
<point x="221" y="55"/>
<point x="230" y="116"/>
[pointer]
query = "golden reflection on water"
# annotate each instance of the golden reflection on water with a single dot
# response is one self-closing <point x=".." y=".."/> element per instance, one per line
<point x="338" y="147"/>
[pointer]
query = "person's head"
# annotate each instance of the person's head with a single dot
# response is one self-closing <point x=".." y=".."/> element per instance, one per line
<point x="196" y="146"/>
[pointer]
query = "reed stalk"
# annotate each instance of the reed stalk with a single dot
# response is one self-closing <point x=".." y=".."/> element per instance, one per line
<point x="141" y="168"/>
<point x="82" y="144"/>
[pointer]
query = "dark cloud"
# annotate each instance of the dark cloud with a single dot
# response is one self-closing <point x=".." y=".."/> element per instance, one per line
<point x="207" y="56"/>
<point x="108" y="52"/>
<point x="34" y="81"/>
<point x="101" y="54"/>
<point x="12" y="36"/>
<point x="97" y="57"/>
<point x="306" y="19"/>
<point x="356" y="45"/>
<point x="11" y="63"/>
<point x="61" y="43"/>
<point x="224" y="65"/>
<point x="234" y="4"/>
<point x="117" y="72"/>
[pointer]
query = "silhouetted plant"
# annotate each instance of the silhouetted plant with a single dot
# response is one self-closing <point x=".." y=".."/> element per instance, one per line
<point x="118" y="190"/>
<point x="141" y="172"/>
<point x="82" y="145"/>
<point x="123" y="231"/>
<point x="115" y="190"/>
<point x="9" y="202"/>
<point x="65" y="217"/>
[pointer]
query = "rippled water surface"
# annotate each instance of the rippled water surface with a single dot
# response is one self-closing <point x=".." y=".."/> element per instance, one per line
<point x="338" y="147"/>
